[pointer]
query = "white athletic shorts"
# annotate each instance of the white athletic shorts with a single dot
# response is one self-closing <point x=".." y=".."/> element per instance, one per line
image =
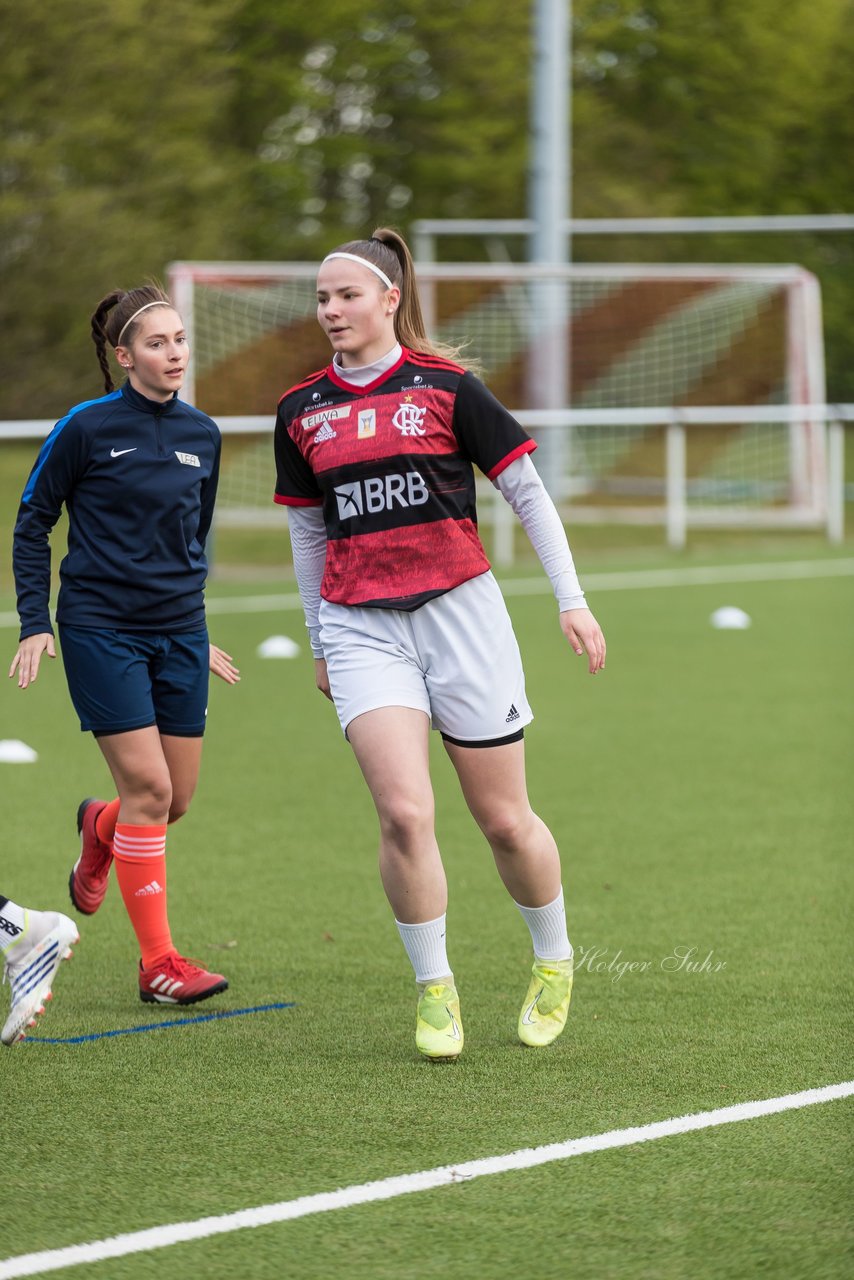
<point x="455" y="658"/>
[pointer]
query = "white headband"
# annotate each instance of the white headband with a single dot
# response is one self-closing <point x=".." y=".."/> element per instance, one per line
<point x="372" y="266"/>
<point x="158" y="303"/>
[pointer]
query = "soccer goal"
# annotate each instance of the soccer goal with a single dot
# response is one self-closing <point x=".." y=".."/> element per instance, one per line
<point x="647" y="386"/>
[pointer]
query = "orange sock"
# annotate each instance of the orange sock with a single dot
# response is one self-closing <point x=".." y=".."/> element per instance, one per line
<point x="105" y="823"/>
<point x="140" y="857"/>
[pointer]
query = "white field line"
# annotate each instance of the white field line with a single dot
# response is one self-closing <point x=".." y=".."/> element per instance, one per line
<point x="692" y="576"/>
<point x="31" y="1264"/>
<point x="631" y="580"/>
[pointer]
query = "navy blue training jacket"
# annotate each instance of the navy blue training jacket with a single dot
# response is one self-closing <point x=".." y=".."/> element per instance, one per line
<point x="138" y="480"/>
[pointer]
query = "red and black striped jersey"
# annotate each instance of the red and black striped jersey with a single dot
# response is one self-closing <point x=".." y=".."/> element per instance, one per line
<point x="391" y="465"/>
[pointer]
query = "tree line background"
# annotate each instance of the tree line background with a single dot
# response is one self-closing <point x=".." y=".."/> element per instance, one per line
<point x="137" y="132"/>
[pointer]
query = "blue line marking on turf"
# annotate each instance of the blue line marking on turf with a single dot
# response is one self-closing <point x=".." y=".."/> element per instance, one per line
<point x="161" y="1026"/>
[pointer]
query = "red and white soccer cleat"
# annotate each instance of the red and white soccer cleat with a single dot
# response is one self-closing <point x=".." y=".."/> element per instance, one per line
<point x="175" y="980"/>
<point x="90" y="874"/>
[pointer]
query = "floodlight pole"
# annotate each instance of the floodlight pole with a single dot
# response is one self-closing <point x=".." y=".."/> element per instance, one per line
<point x="549" y="210"/>
<point x="550" y="178"/>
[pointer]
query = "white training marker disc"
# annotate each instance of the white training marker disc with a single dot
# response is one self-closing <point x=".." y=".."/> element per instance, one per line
<point x="278" y="647"/>
<point x="730" y="618"/>
<point x="13" y="751"/>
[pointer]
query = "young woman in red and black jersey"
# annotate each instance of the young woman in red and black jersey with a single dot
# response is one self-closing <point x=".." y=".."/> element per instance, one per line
<point x="408" y="627"/>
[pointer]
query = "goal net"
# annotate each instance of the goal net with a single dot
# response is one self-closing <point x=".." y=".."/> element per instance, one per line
<point x="595" y="360"/>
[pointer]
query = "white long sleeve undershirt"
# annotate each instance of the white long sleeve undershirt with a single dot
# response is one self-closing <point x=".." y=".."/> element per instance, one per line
<point x="363" y="374"/>
<point x="522" y="487"/>
<point x="308" y="548"/>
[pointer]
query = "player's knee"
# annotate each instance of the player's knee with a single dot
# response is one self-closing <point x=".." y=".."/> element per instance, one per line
<point x="153" y="797"/>
<point x="179" y="806"/>
<point x="406" y="819"/>
<point x="507" y="829"/>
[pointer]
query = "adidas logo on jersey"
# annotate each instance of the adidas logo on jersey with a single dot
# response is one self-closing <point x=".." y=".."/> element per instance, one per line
<point x="512" y="714"/>
<point x="149" y="890"/>
<point x="325" y="433"/>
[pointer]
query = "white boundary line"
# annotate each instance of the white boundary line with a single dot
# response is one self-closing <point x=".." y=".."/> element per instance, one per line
<point x="30" y="1264"/>
<point x="692" y="576"/>
<point x="632" y="579"/>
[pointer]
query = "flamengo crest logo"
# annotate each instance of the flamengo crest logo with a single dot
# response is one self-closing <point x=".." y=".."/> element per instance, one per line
<point x="408" y="419"/>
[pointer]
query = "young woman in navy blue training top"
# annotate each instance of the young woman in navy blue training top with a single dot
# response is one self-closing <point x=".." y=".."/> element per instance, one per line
<point x="375" y="459"/>
<point x="136" y="470"/>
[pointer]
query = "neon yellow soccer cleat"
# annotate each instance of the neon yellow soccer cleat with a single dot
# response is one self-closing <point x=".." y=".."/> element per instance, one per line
<point x="438" y="1026"/>
<point x="543" y="1015"/>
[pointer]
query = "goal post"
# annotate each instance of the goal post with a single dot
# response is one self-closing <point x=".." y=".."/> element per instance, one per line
<point x="645" y="349"/>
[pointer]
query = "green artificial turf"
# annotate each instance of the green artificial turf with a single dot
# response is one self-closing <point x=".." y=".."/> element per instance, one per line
<point x="700" y="792"/>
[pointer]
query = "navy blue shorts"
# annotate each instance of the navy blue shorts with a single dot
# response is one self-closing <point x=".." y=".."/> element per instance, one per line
<point x="122" y="680"/>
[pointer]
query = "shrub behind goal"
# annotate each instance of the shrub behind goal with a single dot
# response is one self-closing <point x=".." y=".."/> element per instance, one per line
<point x="600" y="362"/>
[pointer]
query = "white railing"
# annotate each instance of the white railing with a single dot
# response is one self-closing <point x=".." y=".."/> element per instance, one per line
<point x="824" y="506"/>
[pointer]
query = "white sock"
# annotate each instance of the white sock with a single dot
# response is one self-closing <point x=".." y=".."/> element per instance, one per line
<point x="13" y="920"/>
<point x="548" y="930"/>
<point x="425" y="946"/>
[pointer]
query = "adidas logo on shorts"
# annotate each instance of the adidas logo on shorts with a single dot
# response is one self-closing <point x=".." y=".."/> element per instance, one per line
<point x="512" y="715"/>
